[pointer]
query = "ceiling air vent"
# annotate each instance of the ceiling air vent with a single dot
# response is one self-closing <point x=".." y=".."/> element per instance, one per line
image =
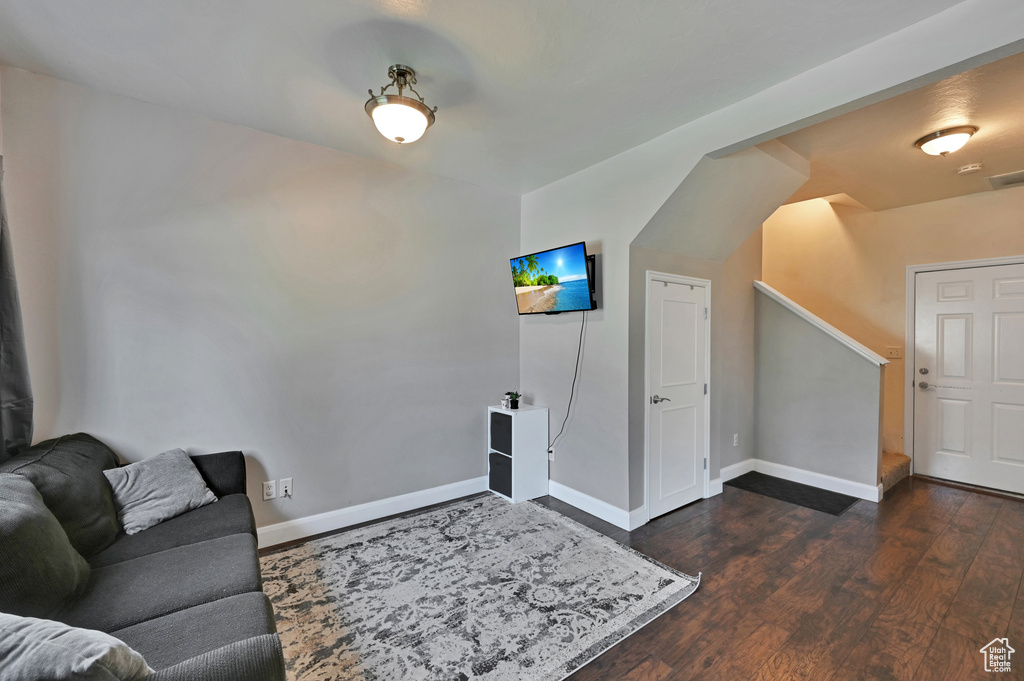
<point x="1015" y="179"/>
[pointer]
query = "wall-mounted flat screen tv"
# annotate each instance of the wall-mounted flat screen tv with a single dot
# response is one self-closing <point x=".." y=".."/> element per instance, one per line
<point x="558" y="280"/>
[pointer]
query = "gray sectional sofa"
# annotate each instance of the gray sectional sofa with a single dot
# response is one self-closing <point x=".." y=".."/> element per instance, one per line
<point x="186" y="594"/>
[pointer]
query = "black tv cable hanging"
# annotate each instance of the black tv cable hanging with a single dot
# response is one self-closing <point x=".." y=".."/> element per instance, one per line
<point x="572" y="390"/>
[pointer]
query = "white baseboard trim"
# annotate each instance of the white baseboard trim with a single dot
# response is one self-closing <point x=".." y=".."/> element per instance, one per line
<point x="738" y="469"/>
<point x="595" y="507"/>
<point x="637" y="517"/>
<point x="715" y="487"/>
<point x="633" y="519"/>
<point x="820" y="480"/>
<point x="299" y="528"/>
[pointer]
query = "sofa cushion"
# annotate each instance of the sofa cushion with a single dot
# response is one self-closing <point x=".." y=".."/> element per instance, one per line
<point x="68" y="472"/>
<point x="230" y="515"/>
<point x="133" y="591"/>
<point x="254" y="659"/>
<point x="39" y="569"/>
<point x="224" y="472"/>
<point x="157" y="489"/>
<point x="168" y="640"/>
<point x="43" y="649"/>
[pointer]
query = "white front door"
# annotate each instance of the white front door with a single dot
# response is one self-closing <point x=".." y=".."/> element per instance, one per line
<point x="969" y="376"/>
<point x="677" y="394"/>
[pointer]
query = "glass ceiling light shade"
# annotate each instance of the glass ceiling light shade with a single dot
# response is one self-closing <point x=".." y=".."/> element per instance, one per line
<point x="945" y="142"/>
<point x="399" y="118"/>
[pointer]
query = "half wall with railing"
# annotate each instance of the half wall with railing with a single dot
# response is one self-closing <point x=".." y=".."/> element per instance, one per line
<point x="818" y="400"/>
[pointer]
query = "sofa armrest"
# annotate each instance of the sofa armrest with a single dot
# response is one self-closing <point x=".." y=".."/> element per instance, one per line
<point x="255" y="659"/>
<point x="224" y="472"/>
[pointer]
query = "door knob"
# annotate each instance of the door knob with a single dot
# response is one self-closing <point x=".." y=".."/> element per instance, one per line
<point x="923" y="385"/>
<point x="655" y="399"/>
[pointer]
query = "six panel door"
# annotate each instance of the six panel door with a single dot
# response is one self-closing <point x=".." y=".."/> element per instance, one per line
<point x="969" y="376"/>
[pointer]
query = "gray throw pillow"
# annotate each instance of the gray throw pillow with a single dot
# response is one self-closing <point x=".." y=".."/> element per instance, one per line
<point x="39" y="569"/>
<point x="41" y="649"/>
<point x="157" y="489"/>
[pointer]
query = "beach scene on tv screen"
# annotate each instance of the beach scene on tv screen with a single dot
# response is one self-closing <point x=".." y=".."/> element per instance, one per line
<point x="552" y="281"/>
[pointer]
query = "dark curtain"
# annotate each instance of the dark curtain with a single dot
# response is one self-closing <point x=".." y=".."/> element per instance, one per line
<point x="15" y="389"/>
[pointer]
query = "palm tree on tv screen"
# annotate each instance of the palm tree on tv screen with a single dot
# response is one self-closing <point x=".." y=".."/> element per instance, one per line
<point x="532" y="265"/>
<point x="522" y="268"/>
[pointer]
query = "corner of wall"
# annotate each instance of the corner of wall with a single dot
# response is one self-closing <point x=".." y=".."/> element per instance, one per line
<point x="702" y="231"/>
<point x="1" y="113"/>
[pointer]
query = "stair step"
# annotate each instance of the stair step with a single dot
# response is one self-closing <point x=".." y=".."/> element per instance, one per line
<point x="895" y="467"/>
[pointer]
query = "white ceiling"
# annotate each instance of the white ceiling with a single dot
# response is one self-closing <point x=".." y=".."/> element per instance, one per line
<point x="869" y="154"/>
<point x="528" y="91"/>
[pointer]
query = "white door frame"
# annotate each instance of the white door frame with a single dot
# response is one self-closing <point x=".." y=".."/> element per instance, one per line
<point x="910" y="359"/>
<point x="688" y="281"/>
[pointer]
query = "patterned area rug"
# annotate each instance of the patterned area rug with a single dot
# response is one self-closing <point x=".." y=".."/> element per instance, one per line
<point x="478" y="589"/>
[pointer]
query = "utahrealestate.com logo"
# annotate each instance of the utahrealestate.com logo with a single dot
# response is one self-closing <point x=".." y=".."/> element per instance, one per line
<point x="997" y="655"/>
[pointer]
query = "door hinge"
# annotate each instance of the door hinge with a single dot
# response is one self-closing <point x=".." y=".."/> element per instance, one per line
<point x="705" y="313"/>
<point x="705" y="464"/>
<point x="705" y="388"/>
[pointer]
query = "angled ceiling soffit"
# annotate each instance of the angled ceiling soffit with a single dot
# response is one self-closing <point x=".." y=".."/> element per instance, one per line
<point x="723" y="201"/>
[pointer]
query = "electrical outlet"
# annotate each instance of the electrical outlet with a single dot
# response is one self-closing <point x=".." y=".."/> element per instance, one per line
<point x="269" y="490"/>
<point x="551" y="455"/>
<point x="735" y="439"/>
<point x="286" y="487"/>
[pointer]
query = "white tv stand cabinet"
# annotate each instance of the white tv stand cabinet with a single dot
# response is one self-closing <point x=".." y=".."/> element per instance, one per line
<point x="517" y="452"/>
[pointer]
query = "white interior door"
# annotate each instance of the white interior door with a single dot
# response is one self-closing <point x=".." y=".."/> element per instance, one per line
<point x="969" y="376"/>
<point x="677" y="394"/>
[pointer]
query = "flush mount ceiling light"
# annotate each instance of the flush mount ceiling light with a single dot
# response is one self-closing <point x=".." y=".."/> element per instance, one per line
<point x="399" y="118"/>
<point x="946" y="141"/>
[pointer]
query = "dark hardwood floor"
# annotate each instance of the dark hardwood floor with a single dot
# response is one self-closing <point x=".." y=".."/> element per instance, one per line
<point x="910" y="588"/>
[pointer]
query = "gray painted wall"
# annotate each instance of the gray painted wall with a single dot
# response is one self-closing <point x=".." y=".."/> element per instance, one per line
<point x="607" y="204"/>
<point x="817" y="401"/>
<point x="610" y="203"/>
<point x="732" y="352"/>
<point x="700" y="230"/>
<point x="188" y="283"/>
<point x="587" y="456"/>
<point x="705" y="230"/>
<point x="722" y="201"/>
